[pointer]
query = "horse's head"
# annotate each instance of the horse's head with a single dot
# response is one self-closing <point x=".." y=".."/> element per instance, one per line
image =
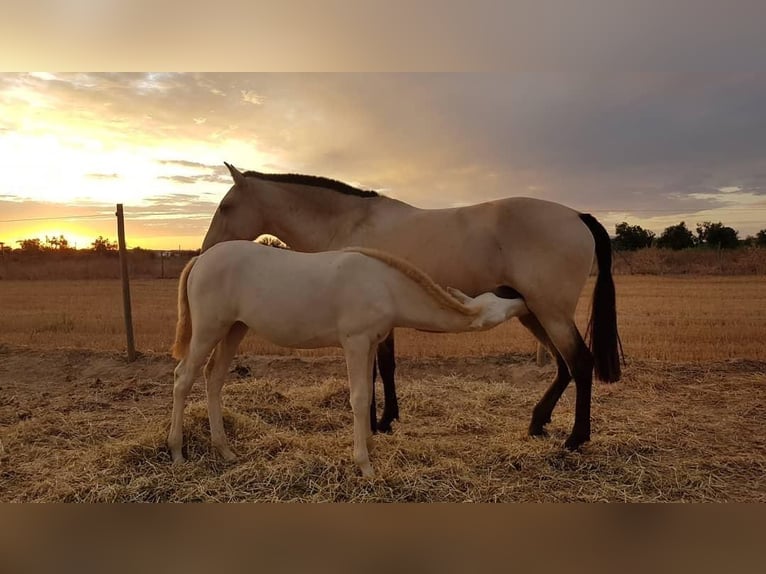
<point x="238" y="215"/>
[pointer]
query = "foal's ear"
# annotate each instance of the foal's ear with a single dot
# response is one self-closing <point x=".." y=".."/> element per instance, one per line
<point x="239" y="178"/>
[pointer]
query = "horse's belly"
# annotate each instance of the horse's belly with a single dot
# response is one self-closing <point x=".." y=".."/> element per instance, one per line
<point x="297" y="327"/>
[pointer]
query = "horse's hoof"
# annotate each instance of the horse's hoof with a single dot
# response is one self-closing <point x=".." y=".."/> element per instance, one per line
<point x="384" y="426"/>
<point x="537" y="425"/>
<point x="178" y="459"/>
<point x="574" y="442"/>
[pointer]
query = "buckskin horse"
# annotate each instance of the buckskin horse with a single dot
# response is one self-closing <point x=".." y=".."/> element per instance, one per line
<point x="515" y="247"/>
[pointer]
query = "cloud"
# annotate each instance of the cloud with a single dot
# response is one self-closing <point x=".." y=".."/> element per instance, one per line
<point x="251" y="97"/>
<point x="102" y="175"/>
<point x="175" y="199"/>
<point x="187" y="179"/>
<point x="186" y="163"/>
<point x="181" y="178"/>
<point x="597" y="137"/>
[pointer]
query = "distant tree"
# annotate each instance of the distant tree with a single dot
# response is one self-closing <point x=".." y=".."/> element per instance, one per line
<point x="717" y="235"/>
<point x="631" y="237"/>
<point x="760" y="238"/>
<point x="676" y="237"/>
<point x="103" y="245"/>
<point x="30" y="245"/>
<point x="59" y="243"/>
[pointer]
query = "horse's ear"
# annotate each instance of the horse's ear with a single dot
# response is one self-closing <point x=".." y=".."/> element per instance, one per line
<point x="239" y="178"/>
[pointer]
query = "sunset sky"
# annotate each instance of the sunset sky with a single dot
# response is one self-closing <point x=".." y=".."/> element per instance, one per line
<point x="650" y="148"/>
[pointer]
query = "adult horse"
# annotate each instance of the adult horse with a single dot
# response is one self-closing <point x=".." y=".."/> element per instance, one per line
<point x="539" y="250"/>
<point x="350" y="299"/>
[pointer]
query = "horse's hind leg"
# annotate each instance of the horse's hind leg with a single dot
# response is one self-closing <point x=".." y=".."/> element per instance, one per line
<point x="387" y="367"/>
<point x="215" y="375"/>
<point x="373" y="406"/>
<point x="563" y="334"/>
<point x="541" y="414"/>
<point x="360" y="352"/>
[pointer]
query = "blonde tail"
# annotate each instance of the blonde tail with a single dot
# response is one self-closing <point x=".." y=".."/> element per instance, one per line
<point x="184" y="326"/>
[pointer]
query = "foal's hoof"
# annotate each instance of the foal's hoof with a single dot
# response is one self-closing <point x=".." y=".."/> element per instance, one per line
<point x="226" y="454"/>
<point x="367" y="471"/>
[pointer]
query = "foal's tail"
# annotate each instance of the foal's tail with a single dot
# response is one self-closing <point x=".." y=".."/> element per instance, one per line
<point x="605" y="342"/>
<point x="184" y="326"/>
<point x="437" y="292"/>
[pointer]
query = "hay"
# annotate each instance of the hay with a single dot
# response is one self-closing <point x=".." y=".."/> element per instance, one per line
<point x="668" y="432"/>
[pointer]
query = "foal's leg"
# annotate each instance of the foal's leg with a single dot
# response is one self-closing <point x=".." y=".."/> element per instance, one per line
<point x="184" y="375"/>
<point x="541" y="415"/>
<point x="359" y="352"/>
<point x="564" y="335"/>
<point x="215" y="375"/>
<point x="387" y="366"/>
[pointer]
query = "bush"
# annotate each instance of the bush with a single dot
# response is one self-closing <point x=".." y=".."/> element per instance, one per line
<point x="631" y="237"/>
<point x="676" y="237"/>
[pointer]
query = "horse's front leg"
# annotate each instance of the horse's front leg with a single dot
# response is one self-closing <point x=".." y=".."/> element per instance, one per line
<point x="387" y="366"/>
<point x="359" y="352"/>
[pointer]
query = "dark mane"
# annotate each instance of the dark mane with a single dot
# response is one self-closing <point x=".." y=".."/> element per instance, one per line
<point x="313" y="180"/>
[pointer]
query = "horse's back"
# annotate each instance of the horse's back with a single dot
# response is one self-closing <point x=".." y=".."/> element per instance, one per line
<point x="292" y="299"/>
<point x="529" y="244"/>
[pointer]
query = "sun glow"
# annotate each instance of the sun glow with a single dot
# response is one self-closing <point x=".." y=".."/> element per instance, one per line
<point x="77" y="236"/>
<point x="56" y="150"/>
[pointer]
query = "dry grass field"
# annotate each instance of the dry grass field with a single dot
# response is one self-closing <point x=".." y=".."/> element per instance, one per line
<point x="78" y="423"/>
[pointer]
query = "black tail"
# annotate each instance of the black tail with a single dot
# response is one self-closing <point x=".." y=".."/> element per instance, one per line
<point x="605" y="342"/>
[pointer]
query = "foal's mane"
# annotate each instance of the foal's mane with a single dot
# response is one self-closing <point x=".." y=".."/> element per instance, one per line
<point x="420" y="277"/>
<point x="314" y="181"/>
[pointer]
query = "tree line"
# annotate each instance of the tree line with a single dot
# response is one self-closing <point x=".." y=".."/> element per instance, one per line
<point x="708" y="234"/>
<point x="627" y="238"/>
<point x="61" y="244"/>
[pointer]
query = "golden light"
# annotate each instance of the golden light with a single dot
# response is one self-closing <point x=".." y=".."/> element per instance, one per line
<point x="87" y="157"/>
<point x="77" y="236"/>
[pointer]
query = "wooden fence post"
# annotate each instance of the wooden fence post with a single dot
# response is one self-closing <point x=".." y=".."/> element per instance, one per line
<point x="125" y="284"/>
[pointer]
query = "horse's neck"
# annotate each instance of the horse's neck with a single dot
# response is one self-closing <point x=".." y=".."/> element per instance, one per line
<point x="323" y="220"/>
<point x="380" y="216"/>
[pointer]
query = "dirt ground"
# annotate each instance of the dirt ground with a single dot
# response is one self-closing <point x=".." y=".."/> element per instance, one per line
<point x="78" y="425"/>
